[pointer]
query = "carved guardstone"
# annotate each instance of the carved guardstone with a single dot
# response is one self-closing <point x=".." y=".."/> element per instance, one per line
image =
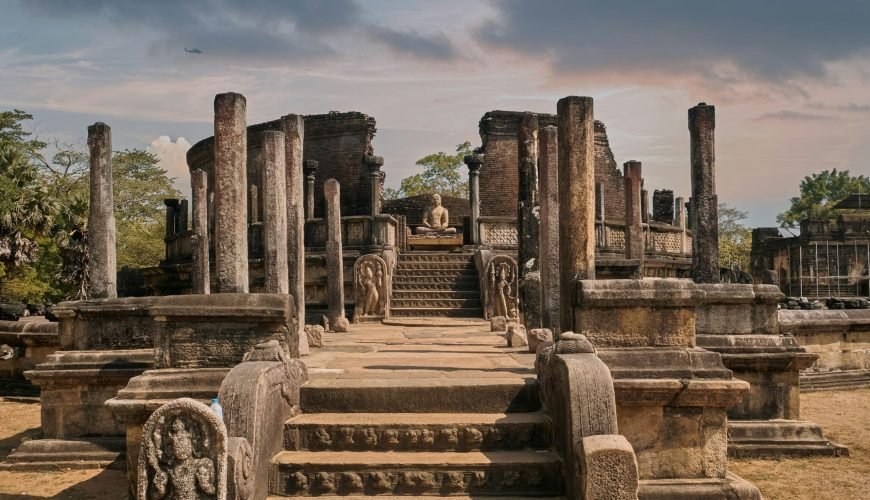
<point x="371" y="289"/>
<point x="183" y="455"/>
<point x="500" y="288"/>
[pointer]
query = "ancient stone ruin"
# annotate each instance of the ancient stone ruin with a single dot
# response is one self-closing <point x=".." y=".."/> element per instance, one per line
<point x="564" y="341"/>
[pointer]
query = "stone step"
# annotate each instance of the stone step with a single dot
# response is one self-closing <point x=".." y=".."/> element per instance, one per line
<point x="46" y="455"/>
<point x="444" y="312"/>
<point x="435" y="294"/>
<point x="459" y="285"/>
<point x="396" y="497"/>
<point x="433" y="273"/>
<point x="519" y="473"/>
<point x="791" y="450"/>
<point x="428" y="303"/>
<point x="508" y="394"/>
<point x="436" y="266"/>
<point x="776" y="438"/>
<point x="841" y="379"/>
<point x="429" y="432"/>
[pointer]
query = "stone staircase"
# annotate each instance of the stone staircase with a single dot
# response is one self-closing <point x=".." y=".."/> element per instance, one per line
<point x="418" y="437"/>
<point x="436" y="284"/>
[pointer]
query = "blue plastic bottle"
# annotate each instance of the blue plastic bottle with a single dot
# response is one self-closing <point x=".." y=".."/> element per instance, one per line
<point x="217" y="408"/>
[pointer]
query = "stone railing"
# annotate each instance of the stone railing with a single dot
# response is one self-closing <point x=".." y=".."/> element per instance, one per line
<point x="659" y="239"/>
<point x="498" y="232"/>
<point x="578" y="393"/>
<point x="358" y="231"/>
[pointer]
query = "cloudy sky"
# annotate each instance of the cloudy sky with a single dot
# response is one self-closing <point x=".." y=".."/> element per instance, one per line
<point x="790" y="78"/>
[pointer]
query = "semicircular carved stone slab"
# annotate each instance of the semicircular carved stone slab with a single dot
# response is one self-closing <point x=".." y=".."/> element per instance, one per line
<point x="183" y="455"/>
<point x="500" y="288"/>
<point x="372" y="289"/>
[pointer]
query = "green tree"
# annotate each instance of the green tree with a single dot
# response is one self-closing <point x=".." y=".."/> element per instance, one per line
<point x="735" y="239"/>
<point x="818" y="193"/>
<point x="441" y="174"/>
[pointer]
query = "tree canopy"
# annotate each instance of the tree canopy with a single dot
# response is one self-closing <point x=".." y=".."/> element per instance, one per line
<point x="735" y="239"/>
<point x="441" y="174"/>
<point x="818" y="194"/>
<point x="44" y="210"/>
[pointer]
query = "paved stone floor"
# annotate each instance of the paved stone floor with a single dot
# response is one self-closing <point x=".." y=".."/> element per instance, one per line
<point x="448" y="349"/>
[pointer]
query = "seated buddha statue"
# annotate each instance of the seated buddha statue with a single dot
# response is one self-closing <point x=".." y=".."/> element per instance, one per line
<point x="435" y="220"/>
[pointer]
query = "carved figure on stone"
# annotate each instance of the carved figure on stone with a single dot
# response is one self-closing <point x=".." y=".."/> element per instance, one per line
<point x="500" y="288"/>
<point x="372" y="288"/>
<point x="183" y="454"/>
<point x="436" y="220"/>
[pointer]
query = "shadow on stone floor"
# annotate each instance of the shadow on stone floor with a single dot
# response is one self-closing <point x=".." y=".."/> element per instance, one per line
<point x="108" y="484"/>
<point x="518" y="370"/>
<point x="9" y="443"/>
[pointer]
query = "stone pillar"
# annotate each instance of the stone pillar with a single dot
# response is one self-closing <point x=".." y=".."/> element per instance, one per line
<point x="528" y="222"/>
<point x="374" y="164"/>
<point x="297" y="204"/>
<point x="474" y="162"/>
<point x="680" y="212"/>
<point x="663" y="206"/>
<point x="310" y="168"/>
<point x="599" y="201"/>
<point x="644" y="204"/>
<point x="633" y="209"/>
<point x="548" y="184"/>
<point x="275" y="209"/>
<point x="231" y="181"/>
<point x="576" y="200"/>
<point x="254" y="212"/>
<point x="199" y="273"/>
<point x="171" y="206"/>
<point x="181" y="224"/>
<point x="705" y="209"/>
<point x="102" y="282"/>
<point x="334" y="260"/>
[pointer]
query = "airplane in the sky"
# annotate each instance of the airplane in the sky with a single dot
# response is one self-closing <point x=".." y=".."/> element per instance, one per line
<point x="192" y="51"/>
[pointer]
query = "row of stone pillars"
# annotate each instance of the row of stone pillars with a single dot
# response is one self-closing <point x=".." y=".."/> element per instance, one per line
<point x="557" y="208"/>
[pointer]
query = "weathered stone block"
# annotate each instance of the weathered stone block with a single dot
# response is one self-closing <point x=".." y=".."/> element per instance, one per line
<point x="498" y="324"/>
<point x="315" y="335"/>
<point x="516" y="335"/>
<point x="637" y="313"/>
<point x="538" y="336"/>
<point x="608" y="468"/>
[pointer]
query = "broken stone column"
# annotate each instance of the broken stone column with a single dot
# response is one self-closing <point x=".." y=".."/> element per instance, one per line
<point x="171" y="207"/>
<point x="334" y="260"/>
<point x="230" y="174"/>
<point x="705" y="209"/>
<point x="294" y="135"/>
<point x="529" y="222"/>
<point x="102" y="282"/>
<point x="633" y="209"/>
<point x="474" y="163"/>
<point x="374" y="164"/>
<point x="199" y="273"/>
<point x="663" y="206"/>
<point x="548" y="183"/>
<point x="310" y="168"/>
<point x="680" y="221"/>
<point x="644" y="204"/>
<point x="576" y="199"/>
<point x="275" y="209"/>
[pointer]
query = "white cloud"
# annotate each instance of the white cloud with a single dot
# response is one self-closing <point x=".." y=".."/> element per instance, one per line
<point x="173" y="159"/>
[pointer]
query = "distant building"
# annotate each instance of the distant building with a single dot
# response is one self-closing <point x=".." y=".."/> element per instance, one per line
<point x="827" y="259"/>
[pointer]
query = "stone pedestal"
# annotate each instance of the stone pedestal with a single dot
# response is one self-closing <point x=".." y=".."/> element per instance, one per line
<point x="102" y="278"/>
<point x="576" y="199"/>
<point x="740" y="322"/>
<point x="671" y="397"/>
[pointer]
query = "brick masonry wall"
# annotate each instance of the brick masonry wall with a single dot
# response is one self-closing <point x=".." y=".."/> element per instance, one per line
<point x="499" y="174"/>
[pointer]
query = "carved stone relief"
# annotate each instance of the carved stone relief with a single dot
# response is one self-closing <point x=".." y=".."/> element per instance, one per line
<point x="372" y="288"/>
<point x="500" y="288"/>
<point x="183" y="454"/>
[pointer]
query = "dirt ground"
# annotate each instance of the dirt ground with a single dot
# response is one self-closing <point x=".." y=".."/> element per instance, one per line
<point x="844" y="415"/>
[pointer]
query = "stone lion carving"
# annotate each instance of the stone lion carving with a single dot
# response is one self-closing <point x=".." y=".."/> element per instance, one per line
<point x="183" y="455"/>
<point x="371" y="288"/>
<point x="500" y="288"/>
